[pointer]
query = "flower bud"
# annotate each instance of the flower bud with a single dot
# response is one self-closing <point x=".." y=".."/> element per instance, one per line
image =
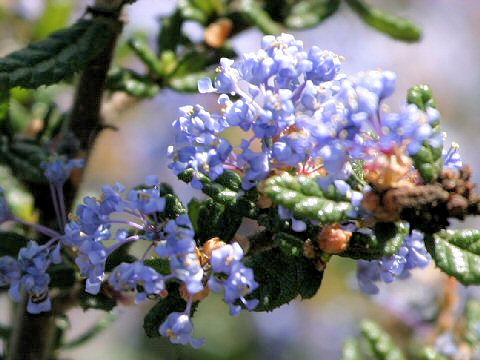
<point x="217" y="33"/>
<point x="333" y="239"/>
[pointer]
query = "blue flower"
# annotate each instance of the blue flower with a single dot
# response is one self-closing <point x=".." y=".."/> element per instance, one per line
<point x="135" y="276"/>
<point x="451" y="157"/>
<point x="178" y="328"/>
<point x="224" y="258"/>
<point x="412" y="254"/>
<point x="4" y="210"/>
<point x="179" y="237"/>
<point x="10" y="271"/>
<point x="239" y="282"/>
<point x="57" y="171"/>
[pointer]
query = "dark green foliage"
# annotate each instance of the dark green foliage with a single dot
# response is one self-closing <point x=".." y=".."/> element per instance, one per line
<point x="457" y="253"/>
<point x="304" y="198"/>
<point x="59" y="56"/>
<point x="23" y="157"/>
<point x="162" y="266"/>
<point x="171" y="34"/>
<point x="11" y="243"/>
<point x="221" y="215"/>
<point x="230" y="180"/>
<point x="217" y="220"/>
<point x="119" y="256"/>
<point x="389" y="24"/>
<point x="258" y="17"/>
<point x="385" y="241"/>
<point x="173" y="207"/>
<point x="289" y="244"/>
<point x="98" y="302"/>
<point x="307" y="14"/>
<point x="62" y="276"/>
<point x="281" y="278"/>
<point x="159" y="312"/>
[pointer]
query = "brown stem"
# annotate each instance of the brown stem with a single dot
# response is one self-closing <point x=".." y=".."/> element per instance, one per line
<point x="33" y="335"/>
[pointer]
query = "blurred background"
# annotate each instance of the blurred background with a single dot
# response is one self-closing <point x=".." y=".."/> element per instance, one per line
<point x="447" y="58"/>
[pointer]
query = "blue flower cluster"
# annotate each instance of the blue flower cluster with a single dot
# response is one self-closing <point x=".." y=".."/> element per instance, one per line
<point x="411" y="255"/>
<point x="233" y="277"/>
<point x="298" y="112"/>
<point x="28" y="273"/>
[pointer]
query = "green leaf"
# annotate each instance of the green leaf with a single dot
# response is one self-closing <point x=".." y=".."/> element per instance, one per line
<point x="380" y="342"/>
<point x="386" y="240"/>
<point x="397" y="27"/>
<point x="307" y="14"/>
<point x="149" y="58"/>
<point x="457" y="253"/>
<point x="260" y="18"/>
<point x="218" y="192"/>
<point x="306" y="200"/>
<point x="188" y="83"/>
<point x="119" y="256"/>
<point x="289" y="244"/>
<point x="62" y="276"/>
<point x="171" y="34"/>
<point x="231" y="180"/>
<point x="282" y="278"/>
<point x="130" y="82"/>
<point x="59" y="56"/>
<point x="5" y="332"/>
<point x="161" y="266"/>
<point x="24" y="158"/>
<point x="173" y="207"/>
<point x="356" y="180"/>
<point x="207" y="8"/>
<point x="4" y="109"/>
<point x="351" y="350"/>
<point x="158" y="313"/>
<point x="472" y="317"/>
<point x="11" y="243"/>
<point x="194" y="207"/>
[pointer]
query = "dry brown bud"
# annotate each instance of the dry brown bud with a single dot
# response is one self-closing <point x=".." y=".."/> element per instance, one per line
<point x="211" y="245"/>
<point x="309" y="249"/>
<point x="217" y="33"/>
<point x="333" y="239"/>
<point x="390" y="171"/>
